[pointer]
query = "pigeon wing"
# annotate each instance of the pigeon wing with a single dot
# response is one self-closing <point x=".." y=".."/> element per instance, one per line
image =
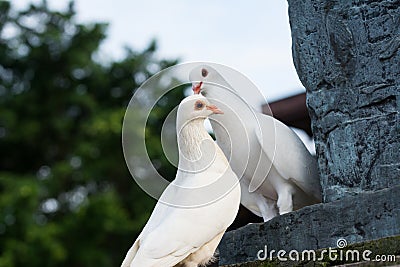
<point x="170" y="235"/>
<point x="173" y="240"/>
<point x="288" y="155"/>
<point x="156" y="218"/>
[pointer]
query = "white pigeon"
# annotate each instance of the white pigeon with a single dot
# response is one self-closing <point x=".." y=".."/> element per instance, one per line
<point x="195" y="210"/>
<point x="277" y="173"/>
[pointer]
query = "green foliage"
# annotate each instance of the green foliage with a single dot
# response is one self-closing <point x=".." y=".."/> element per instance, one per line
<point x="66" y="196"/>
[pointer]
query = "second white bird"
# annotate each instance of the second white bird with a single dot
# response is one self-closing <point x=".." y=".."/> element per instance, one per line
<point x="278" y="174"/>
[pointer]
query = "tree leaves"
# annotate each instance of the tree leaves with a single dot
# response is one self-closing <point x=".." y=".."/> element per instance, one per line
<point x="66" y="196"/>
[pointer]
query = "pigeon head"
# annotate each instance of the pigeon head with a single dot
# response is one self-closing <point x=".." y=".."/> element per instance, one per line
<point x="195" y="107"/>
<point x="202" y="76"/>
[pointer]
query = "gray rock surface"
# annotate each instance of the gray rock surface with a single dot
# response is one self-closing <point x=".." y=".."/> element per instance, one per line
<point x="346" y="53"/>
<point x="367" y="216"/>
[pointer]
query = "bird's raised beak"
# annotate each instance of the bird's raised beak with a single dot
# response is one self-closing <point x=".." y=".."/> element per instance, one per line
<point x="214" y="109"/>
<point x="197" y="88"/>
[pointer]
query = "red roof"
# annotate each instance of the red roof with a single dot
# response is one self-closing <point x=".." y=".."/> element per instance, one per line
<point x="292" y="111"/>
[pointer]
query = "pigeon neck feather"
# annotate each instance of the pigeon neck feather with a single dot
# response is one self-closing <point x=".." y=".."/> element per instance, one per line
<point x="190" y="138"/>
<point x="237" y="120"/>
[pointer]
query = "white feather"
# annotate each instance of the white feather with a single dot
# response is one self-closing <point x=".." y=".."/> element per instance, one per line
<point x="194" y="211"/>
<point x="278" y="174"/>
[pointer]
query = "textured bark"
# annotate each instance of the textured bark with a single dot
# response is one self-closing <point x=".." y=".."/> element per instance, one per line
<point x="318" y="226"/>
<point x="346" y="55"/>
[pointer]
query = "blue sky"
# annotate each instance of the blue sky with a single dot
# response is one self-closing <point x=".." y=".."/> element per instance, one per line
<point x="252" y="37"/>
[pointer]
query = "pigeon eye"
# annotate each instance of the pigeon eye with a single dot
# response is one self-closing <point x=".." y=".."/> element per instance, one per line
<point x="204" y="72"/>
<point x="199" y="105"/>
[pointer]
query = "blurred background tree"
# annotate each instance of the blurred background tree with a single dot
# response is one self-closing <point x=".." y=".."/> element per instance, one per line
<point x="66" y="196"/>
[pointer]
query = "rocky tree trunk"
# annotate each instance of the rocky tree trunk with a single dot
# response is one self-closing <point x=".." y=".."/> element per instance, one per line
<point x="346" y="55"/>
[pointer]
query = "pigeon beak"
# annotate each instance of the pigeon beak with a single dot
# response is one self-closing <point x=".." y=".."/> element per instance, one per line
<point x="197" y="88"/>
<point x="214" y="109"/>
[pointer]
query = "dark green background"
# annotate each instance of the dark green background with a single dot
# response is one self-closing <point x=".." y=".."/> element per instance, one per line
<point x="66" y="196"/>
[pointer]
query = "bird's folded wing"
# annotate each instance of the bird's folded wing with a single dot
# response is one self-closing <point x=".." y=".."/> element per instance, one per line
<point x="165" y="254"/>
<point x="173" y="240"/>
<point x="131" y="253"/>
<point x="156" y="218"/>
<point x="288" y="154"/>
<point x="162" y="246"/>
<point x="171" y="234"/>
